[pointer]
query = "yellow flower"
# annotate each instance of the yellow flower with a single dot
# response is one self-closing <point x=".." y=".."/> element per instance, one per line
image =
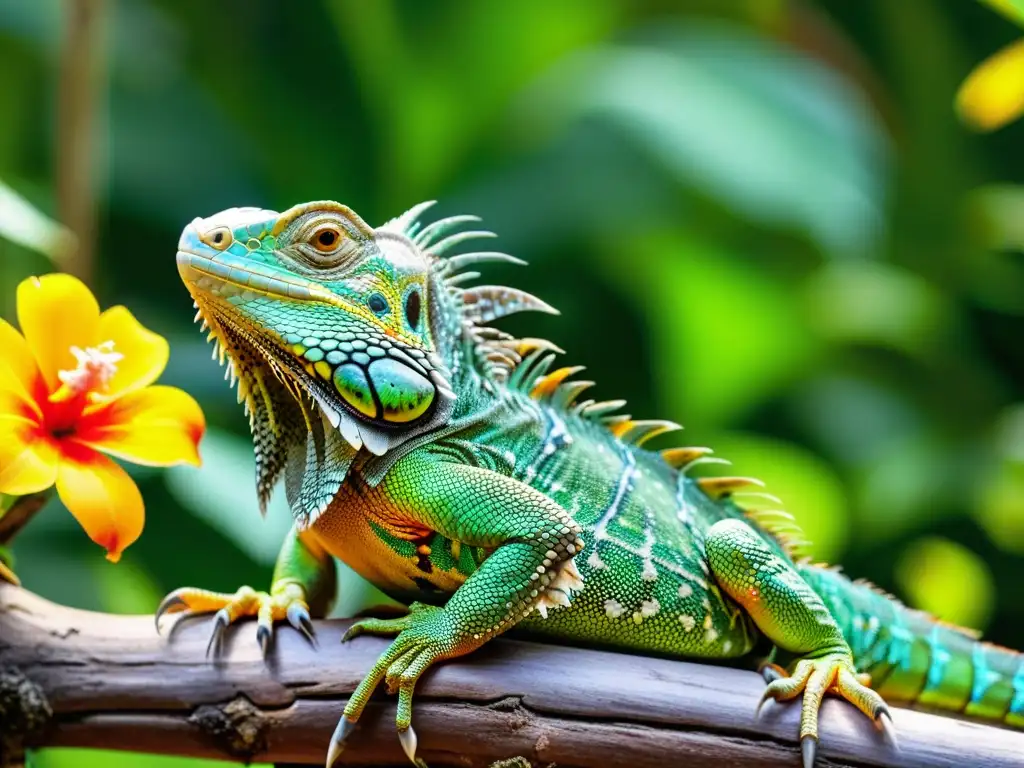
<point x="993" y="94"/>
<point x="75" y="384"/>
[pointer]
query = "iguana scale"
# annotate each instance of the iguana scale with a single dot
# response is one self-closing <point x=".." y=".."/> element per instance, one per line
<point x="454" y="467"/>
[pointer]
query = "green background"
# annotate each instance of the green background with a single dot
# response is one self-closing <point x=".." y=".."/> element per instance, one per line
<point x="761" y="219"/>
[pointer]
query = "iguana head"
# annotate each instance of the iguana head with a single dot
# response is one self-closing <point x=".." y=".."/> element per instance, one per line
<point x="333" y="309"/>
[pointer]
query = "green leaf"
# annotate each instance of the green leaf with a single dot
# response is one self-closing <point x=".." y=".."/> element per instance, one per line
<point x="906" y="312"/>
<point x="125" y="588"/>
<point x="713" y="320"/>
<point x="1011" y="9"/>
<point x="223" y="493"/>
<point x="23" y="224"/>
<point x="101" y="758"/>
<point x="809" y="488"/>
<point x="948" y="580"/>
<point x="773" y="135"/>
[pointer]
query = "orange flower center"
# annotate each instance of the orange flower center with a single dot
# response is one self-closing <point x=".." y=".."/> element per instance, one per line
<point x="96" y="367"/>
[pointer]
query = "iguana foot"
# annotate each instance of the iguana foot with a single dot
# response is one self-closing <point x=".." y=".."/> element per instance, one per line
<point x="831" y="673"/>
<point x="287" y="602"/>
<point x="425" y="635"/>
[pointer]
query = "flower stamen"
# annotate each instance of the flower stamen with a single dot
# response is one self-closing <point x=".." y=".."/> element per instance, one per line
<point x="96" y="367"/>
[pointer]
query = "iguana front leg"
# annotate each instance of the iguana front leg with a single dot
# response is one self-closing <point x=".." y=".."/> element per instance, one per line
<point x="534" y="541"/>
<point x="792" y="615"/>
<point x="304" y="581"/>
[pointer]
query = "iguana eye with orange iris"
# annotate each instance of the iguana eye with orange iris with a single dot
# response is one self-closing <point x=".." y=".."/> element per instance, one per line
<point x="326" y="239"/>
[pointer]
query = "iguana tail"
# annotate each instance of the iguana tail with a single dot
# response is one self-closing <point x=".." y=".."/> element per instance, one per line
<point x="914" y="658"/>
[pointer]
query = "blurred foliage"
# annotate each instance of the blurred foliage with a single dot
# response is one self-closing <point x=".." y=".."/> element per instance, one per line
<point x="764" y="220"/>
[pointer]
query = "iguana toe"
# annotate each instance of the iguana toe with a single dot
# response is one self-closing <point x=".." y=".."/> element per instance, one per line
<point x="831" y="673"/>
<point x="288" y="603"/>
<point x="424" y="636"/>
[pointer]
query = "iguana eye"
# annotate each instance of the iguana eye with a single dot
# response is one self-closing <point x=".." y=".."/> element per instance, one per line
<point x="326" y="239"/>
<point x="218" y="237"/>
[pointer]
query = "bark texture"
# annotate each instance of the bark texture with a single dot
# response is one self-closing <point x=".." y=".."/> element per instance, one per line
<point x="74" y="678"/>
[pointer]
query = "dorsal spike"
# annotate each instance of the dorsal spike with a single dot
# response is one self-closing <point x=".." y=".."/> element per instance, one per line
<point x="404" y="223"/>
<point x="484" y="303"/>
<point x="523" y="347"/>
<point x="602" y="408"/>
<point x="772" y="514"/>
<point x="441" y="226"/>
<point x="616" y="418"/>
<point x="706" y="460"/>
<point x="761" y="496"/>
<point x="451" y="241"/>
<point x="640" y="431"/>
<point x="718" y="487"/>
<point x="463" y="260"/>
<point x="462" y="277"/>
<point x="546" y="386"/>
<point x="579" y="408"/>
<point x="567" y="393"/>
<point x="534" y="365"/>
<point x="679" y="458"/>
<point x="505" y="357"/>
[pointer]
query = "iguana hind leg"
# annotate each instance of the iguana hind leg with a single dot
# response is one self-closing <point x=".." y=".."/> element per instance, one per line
<point x="794" y="617"/>
<point x="304" y="581"/>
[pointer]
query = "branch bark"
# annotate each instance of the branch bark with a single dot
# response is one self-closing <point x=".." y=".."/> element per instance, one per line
<point x="112" y="682"/>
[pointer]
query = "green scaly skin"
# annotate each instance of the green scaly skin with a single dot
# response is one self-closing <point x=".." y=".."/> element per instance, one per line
<point x="450" y="466"/>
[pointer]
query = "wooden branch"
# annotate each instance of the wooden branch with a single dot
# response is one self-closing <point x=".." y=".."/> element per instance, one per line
<point x="112" y="682"/>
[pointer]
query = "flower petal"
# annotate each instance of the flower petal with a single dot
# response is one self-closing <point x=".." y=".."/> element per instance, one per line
<point x="19" y="374"/>
<point x="158" y="426"/>
<point x="56" y="312"/>
<point x="101" y="496"/>
<point x="145" y="353"/>
<point x="28" y="456"/>
<point x="993" y="94"/>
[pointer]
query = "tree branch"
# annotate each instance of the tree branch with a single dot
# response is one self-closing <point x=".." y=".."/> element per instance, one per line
<point x="112" y="682"/>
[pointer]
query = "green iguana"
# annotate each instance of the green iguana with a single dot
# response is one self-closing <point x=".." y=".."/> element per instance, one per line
<point x="450" y="465"/>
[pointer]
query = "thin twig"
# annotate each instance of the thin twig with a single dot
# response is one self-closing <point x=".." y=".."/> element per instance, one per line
<point x="79" y="91"/>
<point x="19" y="514"/>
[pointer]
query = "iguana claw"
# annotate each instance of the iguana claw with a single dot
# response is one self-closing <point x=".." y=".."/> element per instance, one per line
<point x="408" y="740"/>
<point x="263" y="636"/>
<point x="298" y="616"/>
<point x="170" y="604"/>
<point x="341" y="733"/>
<point x="220" y="623"/>
<point x="808" y="748"/>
